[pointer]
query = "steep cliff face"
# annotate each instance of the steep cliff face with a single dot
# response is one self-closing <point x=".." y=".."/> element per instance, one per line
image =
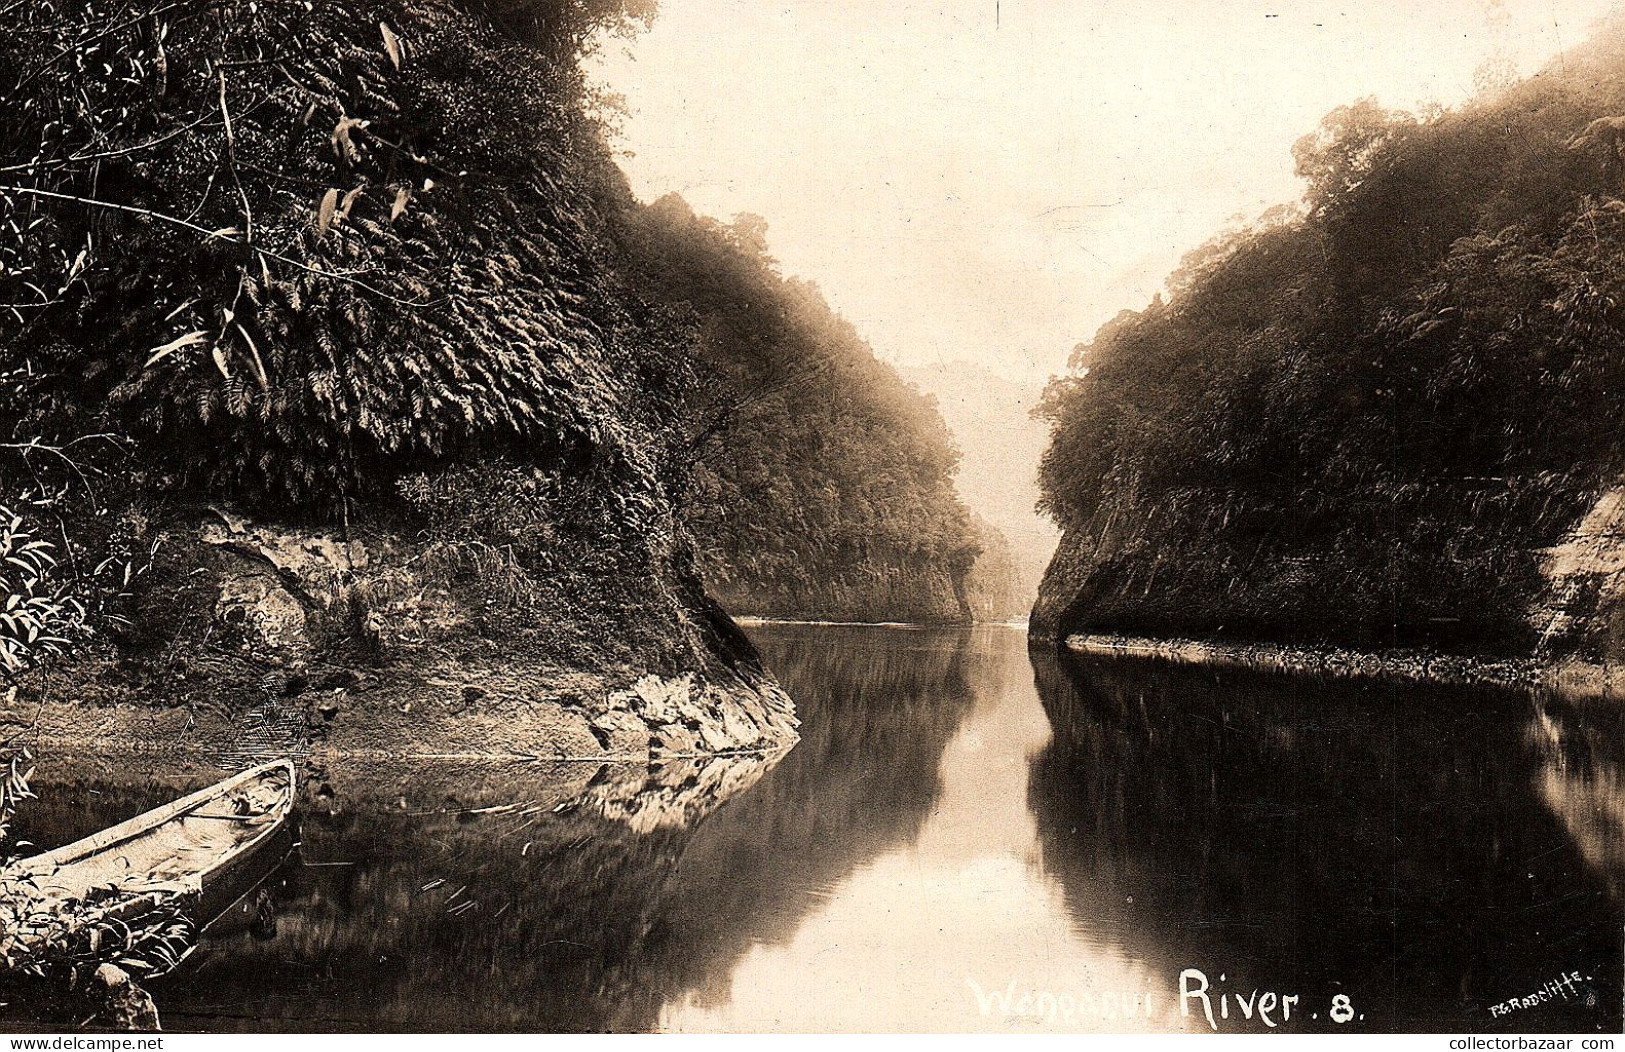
<point x="823" y="484"/>
<point x="1579" y="612"/>
<point x="1389" y="418"/>
<point x="1452" y="566"/>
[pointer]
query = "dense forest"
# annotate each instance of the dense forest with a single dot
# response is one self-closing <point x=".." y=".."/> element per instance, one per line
<point x="333" y="334"/>
<point x="1368" y="418"/>
<point x="822" y="484"/>
<point x="351" y="404"/>
<point x="317" y="360"/>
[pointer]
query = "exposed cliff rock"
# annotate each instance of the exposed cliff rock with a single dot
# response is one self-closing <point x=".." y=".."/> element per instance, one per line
<point x="1581" y="612"/>
<point x="1219" y="566"/>
<point x="250" y="639"/>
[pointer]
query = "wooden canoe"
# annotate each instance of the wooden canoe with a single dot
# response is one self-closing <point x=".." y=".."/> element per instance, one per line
<point x="197" y="848"/>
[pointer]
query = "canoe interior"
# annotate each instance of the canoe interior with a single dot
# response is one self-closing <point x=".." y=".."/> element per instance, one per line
<point x="179" y="847"/>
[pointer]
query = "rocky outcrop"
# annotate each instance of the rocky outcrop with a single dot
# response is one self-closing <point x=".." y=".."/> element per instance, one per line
<point x="122" y="1004"/>
<point x="1553" y="616"/>
<point x="250" y="639"/>
<point x="1581" y="611"/>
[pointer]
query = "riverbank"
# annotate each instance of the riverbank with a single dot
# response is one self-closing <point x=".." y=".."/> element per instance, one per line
<point x="1574" y="679"/>
<point x="493" y="705"/>
<point x="750" y="621"/>
<point x="249" y="640"/>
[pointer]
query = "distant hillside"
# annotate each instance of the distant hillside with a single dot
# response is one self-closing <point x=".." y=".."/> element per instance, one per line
<point x="822" y="484"/>
<point x="1370" y="420"/>
<point x="1000" y="442"/>
<point x="1002" y="583"/>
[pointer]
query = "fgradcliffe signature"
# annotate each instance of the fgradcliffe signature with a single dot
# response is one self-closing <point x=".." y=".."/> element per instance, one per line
<point x="1565" y="987"/>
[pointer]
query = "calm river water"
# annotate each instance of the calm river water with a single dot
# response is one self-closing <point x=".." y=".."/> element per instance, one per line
<point x="968" y="837"/>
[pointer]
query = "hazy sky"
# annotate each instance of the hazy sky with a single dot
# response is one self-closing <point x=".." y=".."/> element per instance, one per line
<point x="991" y="180"/>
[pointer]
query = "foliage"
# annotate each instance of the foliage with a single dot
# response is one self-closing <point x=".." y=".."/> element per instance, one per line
<point x="1362" y="419"/>
<point x="18" y="769"/>
<point x="297" y="249"/>
<point x="817" y="470"/>
<point x="45" y="937"/>
<point x="46" y="607"/>
<point x="39" y="621"/>
<point x="335" y="255"/>
<point x="71" y="541"/>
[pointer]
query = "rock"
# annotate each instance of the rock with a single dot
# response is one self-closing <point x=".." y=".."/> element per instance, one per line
<point x="737" y="728"/>
<point x="715" y="737"/>
<point x="319" y="562"/>
<point x="661" y="700"/>
<point x="626" y="734"/>
<point x="263" y="611"/>
<point x="677" y="739"/>
<point x="120" y="1002"/>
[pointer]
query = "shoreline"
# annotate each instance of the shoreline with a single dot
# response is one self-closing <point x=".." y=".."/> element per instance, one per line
<point x="752" y="622"/>
<point x="491" y="710"/>
<point x="1574" y="679"/>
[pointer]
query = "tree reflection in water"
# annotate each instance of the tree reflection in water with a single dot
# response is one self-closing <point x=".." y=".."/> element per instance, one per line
<point x="1425" y="852"/>
<point x="1394" y="843"/>
<point x="425" y="900"/>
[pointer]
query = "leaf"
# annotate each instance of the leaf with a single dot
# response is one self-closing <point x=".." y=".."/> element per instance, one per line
<point x="174" y="345"/>
<point x="324" y="216"/>
<point x="402" y="196"/>
<point x="349" y="202"/>
<point x="220" y="363"/>
<point x="343" y="147"/>
<point x="392" y="43"/>
<point x="259" y="363"/>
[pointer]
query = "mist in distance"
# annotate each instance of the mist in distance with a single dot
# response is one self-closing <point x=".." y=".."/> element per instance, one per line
<point x="978" y="186"/>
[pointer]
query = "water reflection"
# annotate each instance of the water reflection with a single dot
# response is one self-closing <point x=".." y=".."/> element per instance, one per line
<point x="1396" y="845"/>
<point x="1581" y="746"/>
<point x="936" y="931"/>
<point x="968" y="837"/>
<point x="470" y="896"/>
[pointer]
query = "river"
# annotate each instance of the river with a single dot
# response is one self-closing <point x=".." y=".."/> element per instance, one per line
<point x="968" y="837"/>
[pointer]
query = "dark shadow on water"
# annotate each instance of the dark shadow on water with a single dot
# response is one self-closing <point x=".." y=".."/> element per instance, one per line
<point x="1425" y="851"/>
<point x="589" y="908"/>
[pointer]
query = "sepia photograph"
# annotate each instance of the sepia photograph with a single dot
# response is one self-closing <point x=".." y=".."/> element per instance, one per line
<point x="999" y="517"/>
